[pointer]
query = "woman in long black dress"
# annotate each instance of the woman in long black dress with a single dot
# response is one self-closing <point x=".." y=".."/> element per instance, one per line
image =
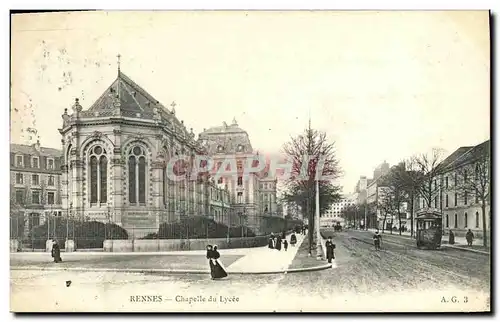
<point x="210" y="257"/>
<point x="56" y="252"/>
<point x="219" y="271"/>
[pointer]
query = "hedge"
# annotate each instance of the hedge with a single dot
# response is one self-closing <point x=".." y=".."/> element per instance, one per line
<point x="198" y="227"/>
<point x="87" y="234"/>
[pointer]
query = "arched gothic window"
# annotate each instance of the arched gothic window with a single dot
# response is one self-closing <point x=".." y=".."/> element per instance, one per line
<point x="98" y="175"/>
<point x="137" y="175"/>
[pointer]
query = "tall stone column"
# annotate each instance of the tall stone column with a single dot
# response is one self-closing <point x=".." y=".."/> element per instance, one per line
<point x="158" y="205"/>
<point x="117" y="180"/>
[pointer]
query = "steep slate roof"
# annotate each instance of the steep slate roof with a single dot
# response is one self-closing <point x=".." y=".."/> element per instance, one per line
<point x="472" y="154"/>
<point x="31" y="150"/>
<point x="464" y="155"/>
<point x="452" y="157"/>
<point x="229" y="137"/>
<point x="133" y="100"/>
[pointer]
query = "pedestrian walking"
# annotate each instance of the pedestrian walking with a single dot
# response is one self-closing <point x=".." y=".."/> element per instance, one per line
<point x="469" y="237"/>
<point x="293" y="240"/>
<point x="56" y="252"/>
<point x="271" y="243"/>
<point x="377" y="238"/>
<point x="278" y="243"/>
<point x="330" y="247"/>
<point x="285" y="244"/>
<point x="451" y="238"/>
<point x="219" y="269"/>
<point x="210" y="262"/>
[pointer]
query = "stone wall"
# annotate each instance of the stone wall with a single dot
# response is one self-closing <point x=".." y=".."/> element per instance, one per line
<point x="163" y="245"/>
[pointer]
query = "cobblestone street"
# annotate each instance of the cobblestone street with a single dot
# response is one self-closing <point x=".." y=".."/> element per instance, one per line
<point x="361" y="280"/>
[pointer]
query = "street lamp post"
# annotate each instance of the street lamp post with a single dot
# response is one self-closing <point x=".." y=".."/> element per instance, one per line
<point x="319" y="252"/>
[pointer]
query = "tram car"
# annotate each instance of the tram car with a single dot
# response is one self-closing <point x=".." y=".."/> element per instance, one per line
<point x="429" y="228"/>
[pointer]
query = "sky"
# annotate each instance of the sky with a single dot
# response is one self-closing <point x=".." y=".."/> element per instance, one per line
<point x="383" y="85"/>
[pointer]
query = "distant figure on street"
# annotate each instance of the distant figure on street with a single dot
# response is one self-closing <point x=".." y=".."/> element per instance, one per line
<point x="285" y="244"/>
<point x="271" y="243"/>
<point x="219" y="269"/>
<point x="330" y="246"/>
<point x="278" y="243"/>
<point x="469" y="237"/>
<point x="293" y="240"/>
<point x="377" y="238"/>
<point x="56" y="252"/>
<point x="451" y="238"/>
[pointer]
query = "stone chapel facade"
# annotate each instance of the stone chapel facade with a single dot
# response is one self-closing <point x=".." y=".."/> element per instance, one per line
<point x="114" y="165"/>
<point x="114" y="158"/>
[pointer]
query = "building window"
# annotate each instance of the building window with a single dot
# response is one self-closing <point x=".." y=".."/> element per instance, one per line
<point x="465" y="176"/>
<point x="456" y="198"/>
<point x="477" y="196"/>
<point x="98" y="175"/>
<point x="137" y="175"/>
<point x="456" y="221"/>
<point x="19" y="160"/>
<point x="240" y="181"/>
<point x="220" y="180"/>
<point x="447" y="221"/>
<point x="51" y="181"/>
<point x="35" y="197"/>
<point x="50" y="198"/>
<point x="435" y="202"/>
<point x="35" y="179"/>
<point x="35" y="162"/>
<point x="446" y="182"/>
<point x="20" y="197"/>
<point x="50" y="164"/>
<point x="446" y="200"/>
<point x="465" y="197"/>
<point x="19" y="178"/>
<point x="456" y="176"/>
<point x="477" y="219"/>
<point x="239" y="197"/>
<point x="466" y="220"/>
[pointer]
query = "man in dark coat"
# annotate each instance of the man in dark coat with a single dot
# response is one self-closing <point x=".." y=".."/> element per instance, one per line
<point x="469" y="237"/>
<point x="270" y="243"/>
<point x="330" y="246"/>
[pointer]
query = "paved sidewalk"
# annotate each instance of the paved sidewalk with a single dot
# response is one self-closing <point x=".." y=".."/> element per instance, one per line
<point x="242" y="260"/>
<point x="263" y="259"/>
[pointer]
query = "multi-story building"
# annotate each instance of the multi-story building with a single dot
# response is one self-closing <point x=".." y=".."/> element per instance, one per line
<point x="334" y="214"/>
<point x="35" y="182"/>
<point x="374" y="190"/>
<point x="115" y="157"/>
<point x="252" y="194"/>
<point x="462" y="207"/>
<point x="220" y="205"/>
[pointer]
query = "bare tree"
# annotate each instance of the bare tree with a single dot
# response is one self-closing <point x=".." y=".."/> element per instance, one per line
<point x="473" y="180"/>
<point x="427" y="181"/>
<point x="306" y="152"/>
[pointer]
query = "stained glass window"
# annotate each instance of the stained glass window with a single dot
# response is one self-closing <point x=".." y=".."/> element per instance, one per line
<point x="93" y="179"/>
<point x="131" y="179"/>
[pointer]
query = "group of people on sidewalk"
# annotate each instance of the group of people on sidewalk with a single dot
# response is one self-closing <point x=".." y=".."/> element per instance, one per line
<point x="276" y="242"/>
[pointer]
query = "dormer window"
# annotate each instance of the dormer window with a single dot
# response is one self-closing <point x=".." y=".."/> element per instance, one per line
<point x="220" y="148"/>
<point x="19" y="161"/>
<point x="35" y="162"/>
<point x="240" y="148"/>
<point x="50" y="164"/>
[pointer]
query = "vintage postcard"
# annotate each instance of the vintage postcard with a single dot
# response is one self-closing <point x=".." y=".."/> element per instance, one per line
<point x="250" y="161"/>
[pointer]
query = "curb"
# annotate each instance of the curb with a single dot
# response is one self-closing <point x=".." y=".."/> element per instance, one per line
<point x="167" y="271"/>
<point x="465" y="249"/>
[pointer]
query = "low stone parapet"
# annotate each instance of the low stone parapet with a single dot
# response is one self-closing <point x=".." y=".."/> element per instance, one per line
<point x="165" y="245"/>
